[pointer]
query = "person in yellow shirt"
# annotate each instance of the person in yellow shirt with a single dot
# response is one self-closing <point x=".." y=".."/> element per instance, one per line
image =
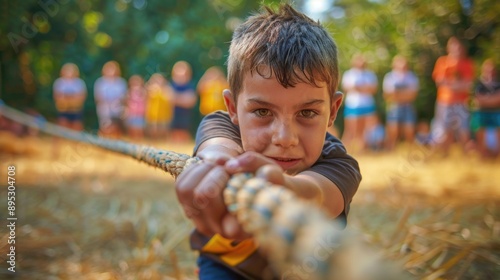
<point x="159" y="106"/>
<point x="210" y="88"/>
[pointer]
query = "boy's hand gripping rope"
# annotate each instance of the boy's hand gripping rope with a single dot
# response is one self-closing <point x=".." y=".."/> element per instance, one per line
<point x="296" y="237"/>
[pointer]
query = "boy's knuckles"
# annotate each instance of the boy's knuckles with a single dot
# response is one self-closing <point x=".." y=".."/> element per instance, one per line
<point x="210" y="190"/>
<point x="213" y="183"/>
<point x="190" y="177"/>
<point x="190" y="211"/>
<point x="182" y="190"/>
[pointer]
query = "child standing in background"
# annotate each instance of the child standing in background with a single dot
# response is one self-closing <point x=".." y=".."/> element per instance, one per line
<point x="359" y="85"/>
<point x="454" y="75"/>
<point x="400" y="90"/>
<point x="110" y="91"/>
<point x="487" y="100"/>
<point x="210" y="88"/>
<point x="185" y="99"/>
<point x="159" y="106"/>
<point x="70" y="93"/>
<point x="136" y="107"/>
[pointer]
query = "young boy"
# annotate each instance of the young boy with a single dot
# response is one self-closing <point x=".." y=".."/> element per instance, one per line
<point x="283" y="76"/>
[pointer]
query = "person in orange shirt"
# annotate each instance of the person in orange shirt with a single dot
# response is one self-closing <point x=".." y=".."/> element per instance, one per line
<point x="454" y="76"/>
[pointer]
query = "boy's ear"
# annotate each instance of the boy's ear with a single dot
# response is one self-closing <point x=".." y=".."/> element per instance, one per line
<point x="336" y="102"/>
<point x="230" y="105"/>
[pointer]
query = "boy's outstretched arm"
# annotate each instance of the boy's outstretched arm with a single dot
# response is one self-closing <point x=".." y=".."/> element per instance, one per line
<point x="199" y="189"/>
<point x="307" y="184"/>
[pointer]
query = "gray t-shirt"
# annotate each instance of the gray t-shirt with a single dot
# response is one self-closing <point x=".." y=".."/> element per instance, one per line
<point x="111" y="93"/>
<point x="334" y="162"/>
<point x="69" y="87"/>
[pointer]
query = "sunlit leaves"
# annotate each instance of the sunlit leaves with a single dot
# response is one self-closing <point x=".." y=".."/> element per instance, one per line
<point x="103" y="40"/>
<point x="91" y="21"/>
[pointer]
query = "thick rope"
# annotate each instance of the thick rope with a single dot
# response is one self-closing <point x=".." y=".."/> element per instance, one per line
<point x="297" y="238"/>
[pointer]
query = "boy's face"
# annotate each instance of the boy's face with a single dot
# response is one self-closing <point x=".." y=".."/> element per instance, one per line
<point x="287" y="125"/>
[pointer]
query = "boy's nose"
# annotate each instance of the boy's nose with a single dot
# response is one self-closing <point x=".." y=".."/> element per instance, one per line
<point x="284" y="134"/>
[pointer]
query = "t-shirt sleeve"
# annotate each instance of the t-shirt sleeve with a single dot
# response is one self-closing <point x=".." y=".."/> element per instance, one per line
<point x="123" y="89"/>
<point x="98" y="88"/>
<point x="340" y="168"/>
<point x="347" y="80"/>
<point x="388" y="83"/>
<point x="214" y="125"/>
<point x="57" y="85"/>
<point x="371" y="78"/>
<point x="82" y="86"/>
<point x="414" y="82"/>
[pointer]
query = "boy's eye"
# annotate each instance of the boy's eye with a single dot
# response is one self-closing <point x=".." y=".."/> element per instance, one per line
<point x="308" y="114"/>
<point x="262" y="112"/>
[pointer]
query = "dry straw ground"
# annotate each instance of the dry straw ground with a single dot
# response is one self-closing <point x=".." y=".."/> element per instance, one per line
<point x="88" y="214"/>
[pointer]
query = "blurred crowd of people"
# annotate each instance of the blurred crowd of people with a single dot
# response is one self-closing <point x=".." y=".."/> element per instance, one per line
<point x="467" y="109"/>
<point x="157" y="108"/>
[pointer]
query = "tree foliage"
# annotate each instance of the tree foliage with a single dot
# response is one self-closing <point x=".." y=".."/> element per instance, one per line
<point x="144" y="36"/>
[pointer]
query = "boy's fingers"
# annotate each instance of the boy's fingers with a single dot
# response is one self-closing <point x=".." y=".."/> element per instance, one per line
<point x="231" y="229"/>
<point x="187" y="182"/>
<point x="214" y="157"/>
<point x="208" y="197"/>
<point x="193" y="201"/>
<point x="247" y="162"/>
<point x="271" y="173"/>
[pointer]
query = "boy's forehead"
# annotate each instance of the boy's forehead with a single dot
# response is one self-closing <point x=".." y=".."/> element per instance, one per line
<point x="265" y="72"/>
<point x="261" y="85"/>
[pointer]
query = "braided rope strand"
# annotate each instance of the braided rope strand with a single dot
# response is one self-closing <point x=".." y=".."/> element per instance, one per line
<point x="289" y="230"/>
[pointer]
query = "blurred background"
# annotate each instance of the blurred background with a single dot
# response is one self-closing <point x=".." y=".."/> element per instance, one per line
<point x="149" y="36"/>
<point x="89" y="214"/>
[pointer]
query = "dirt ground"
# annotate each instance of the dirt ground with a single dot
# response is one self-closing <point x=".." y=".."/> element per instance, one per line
<point x="85" y="213"/>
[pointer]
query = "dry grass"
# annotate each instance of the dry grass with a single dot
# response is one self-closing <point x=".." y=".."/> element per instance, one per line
<point x="88" y="214"/>
<point x="438" y="216"/>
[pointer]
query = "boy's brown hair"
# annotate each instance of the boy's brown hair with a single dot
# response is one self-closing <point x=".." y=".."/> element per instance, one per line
<point x="293" y="47"/>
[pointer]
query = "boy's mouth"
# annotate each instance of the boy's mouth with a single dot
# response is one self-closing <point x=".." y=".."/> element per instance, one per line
<point x="285" y="163"/>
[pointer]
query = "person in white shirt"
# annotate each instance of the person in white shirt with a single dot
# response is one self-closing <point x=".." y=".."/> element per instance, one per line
<point x="400" y="90"/>
<point x="359" y="85"/>
<point x="110" y="92"/>
<point x="70" y="93"/>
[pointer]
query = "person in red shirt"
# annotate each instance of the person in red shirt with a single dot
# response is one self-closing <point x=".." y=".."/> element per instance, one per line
<point x="454" y="76"/>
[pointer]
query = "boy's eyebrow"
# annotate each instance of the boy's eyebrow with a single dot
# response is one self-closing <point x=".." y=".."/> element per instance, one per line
<point x="267" y="104"/>
<point x="312" y="102"/>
